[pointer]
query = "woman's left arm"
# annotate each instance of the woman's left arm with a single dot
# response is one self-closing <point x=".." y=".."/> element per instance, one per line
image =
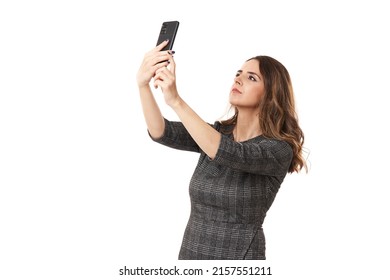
<point x="203" y="134"/>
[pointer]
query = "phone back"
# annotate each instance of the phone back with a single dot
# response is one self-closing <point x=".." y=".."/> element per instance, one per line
<point x="168" y="31"/>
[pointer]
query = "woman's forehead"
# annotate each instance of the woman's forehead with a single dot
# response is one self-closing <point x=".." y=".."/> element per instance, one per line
<point x="251" y="65"/>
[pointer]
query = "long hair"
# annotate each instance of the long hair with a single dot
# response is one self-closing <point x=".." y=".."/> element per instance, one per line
<point x="277" y="116"/>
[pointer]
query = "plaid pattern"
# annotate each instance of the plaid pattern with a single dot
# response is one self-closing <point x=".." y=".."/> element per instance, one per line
<point x="230" y="195"/>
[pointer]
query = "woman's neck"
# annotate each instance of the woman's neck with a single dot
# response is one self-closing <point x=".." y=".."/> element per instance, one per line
<point x="247" y="127"/>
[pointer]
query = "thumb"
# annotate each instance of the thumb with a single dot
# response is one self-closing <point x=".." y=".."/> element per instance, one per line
<point x="172" y="64"/>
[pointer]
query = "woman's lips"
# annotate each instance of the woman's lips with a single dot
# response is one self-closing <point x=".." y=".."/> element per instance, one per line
<point x="234" y="90"/>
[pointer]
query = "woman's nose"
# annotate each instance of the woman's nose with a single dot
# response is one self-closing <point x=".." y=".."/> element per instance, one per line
<point x="237" y="80"/>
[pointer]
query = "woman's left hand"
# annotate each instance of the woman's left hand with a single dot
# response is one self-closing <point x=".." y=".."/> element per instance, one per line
<point x="165" y="78"/>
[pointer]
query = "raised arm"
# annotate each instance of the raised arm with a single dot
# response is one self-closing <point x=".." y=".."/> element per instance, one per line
<point x="152" y="62"/>
<point x="205" y="136"/>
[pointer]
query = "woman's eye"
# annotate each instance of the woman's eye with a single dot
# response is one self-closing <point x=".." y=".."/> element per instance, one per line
<point x="238" y="74"/>
<point x="252" y="78"/>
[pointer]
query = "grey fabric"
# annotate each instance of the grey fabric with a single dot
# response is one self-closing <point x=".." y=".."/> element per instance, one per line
<point x="229" y="195"/>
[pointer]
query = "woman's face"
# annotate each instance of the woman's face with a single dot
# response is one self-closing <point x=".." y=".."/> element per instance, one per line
<point x="248" y="87"/>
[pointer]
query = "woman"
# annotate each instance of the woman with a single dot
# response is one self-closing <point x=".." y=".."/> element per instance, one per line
<point x="243" y="160"/>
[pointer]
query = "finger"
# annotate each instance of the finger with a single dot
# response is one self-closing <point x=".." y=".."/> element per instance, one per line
<point x="160" y="58"/>
<point x="157" y="48"/>
<point x="172" y="66"/>
<point x="159" y="67"/>
<point x="161" y="64"/>
<point x="158" y="83"/>
<point x="155" y="57"/>
<point x="160" y="46"/>
<point x="162" y="75"/>
<point x="159" y="70"/>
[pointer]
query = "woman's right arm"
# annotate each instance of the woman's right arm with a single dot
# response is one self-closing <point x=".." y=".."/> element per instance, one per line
<point x="152" y="114"/>
<point x="152" y="62"/>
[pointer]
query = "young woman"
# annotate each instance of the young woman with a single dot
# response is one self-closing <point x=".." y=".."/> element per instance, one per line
<point x="243" y="160"/>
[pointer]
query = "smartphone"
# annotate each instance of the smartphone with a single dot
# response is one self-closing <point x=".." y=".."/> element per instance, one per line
<point x="168" y="31"/>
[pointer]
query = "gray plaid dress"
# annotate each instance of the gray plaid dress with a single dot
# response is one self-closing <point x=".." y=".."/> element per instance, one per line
<point x="229" y="195"/>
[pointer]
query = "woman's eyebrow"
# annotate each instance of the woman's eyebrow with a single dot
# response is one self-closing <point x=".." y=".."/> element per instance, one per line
<point x="250" y="72"/>
<point x="253" y="73"/>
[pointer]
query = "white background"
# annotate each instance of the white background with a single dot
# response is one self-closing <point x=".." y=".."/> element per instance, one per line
<point x="84" y="191"/>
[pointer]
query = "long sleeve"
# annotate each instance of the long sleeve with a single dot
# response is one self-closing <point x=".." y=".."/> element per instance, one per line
<point x="176" y="136"/>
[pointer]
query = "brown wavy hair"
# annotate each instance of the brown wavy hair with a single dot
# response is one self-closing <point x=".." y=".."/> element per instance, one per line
<point x="277" y="116"/>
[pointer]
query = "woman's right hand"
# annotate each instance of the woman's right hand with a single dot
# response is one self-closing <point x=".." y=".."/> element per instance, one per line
<point x="153" y="60"/>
